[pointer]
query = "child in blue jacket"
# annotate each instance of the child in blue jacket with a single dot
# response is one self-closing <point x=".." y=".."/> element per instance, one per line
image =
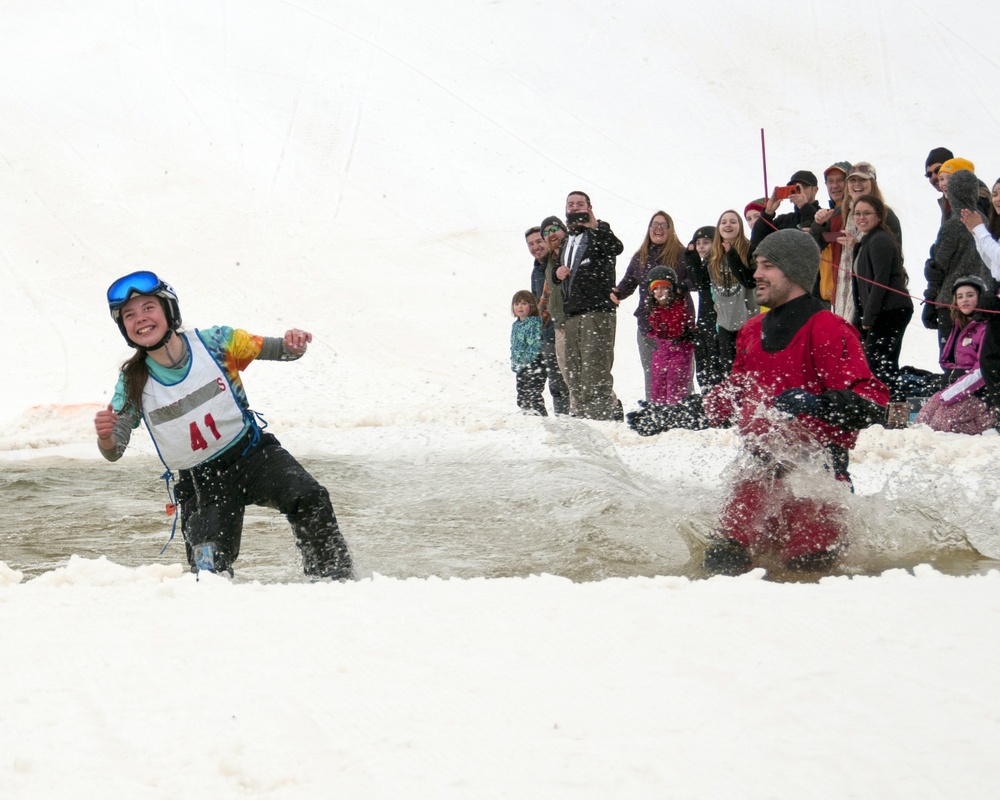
<point x="526" y="353"/>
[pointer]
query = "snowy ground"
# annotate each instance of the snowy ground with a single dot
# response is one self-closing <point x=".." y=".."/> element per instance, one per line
<point x="366" y="172"/>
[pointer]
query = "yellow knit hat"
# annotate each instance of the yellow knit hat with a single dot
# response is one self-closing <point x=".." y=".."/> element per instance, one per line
<point x="953" y="165"/>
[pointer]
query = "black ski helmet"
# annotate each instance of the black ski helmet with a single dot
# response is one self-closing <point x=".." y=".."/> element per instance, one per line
<point x="970" y="280"/>
<point x="148" y="284"/>
<point x="661" y="273"/>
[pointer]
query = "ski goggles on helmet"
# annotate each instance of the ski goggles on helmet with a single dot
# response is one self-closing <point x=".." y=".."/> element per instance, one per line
<point x="142" y="282"/>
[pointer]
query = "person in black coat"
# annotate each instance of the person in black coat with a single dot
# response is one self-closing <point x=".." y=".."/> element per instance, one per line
<point x="884" y="307"/>
<point x="805" y="187"/>
<point x="586" y="276"/>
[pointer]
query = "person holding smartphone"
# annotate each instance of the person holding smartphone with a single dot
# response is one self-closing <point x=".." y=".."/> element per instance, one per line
<point x="801" y="189"/>
<point x="586" y="277"/>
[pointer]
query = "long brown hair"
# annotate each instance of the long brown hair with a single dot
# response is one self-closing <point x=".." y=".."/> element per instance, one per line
<point x="993" y="219"/>
<point x="672" y="249"/>
<point x="957" y="316"/>
<point x="880" y="209"/>
<point x="135" y="373"/>
<point x="717" y="266"/>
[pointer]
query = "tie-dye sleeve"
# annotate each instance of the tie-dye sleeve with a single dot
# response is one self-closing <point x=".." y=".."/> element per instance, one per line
<point x="245" y="347"/>
<point x="233" y="349"/>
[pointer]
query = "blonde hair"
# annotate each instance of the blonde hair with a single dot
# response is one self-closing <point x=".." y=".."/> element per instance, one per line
<point x="846" y="205"/>
<point x="721" y="274"/>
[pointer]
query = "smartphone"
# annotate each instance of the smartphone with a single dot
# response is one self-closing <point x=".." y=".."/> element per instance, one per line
<point x="578" y="218"/>
<point x="784" y="192"/>
<point x="831" y="236"/>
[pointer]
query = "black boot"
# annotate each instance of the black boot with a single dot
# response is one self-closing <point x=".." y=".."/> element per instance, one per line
<point x="813" y="562"/>
<point x="726" y="557"/>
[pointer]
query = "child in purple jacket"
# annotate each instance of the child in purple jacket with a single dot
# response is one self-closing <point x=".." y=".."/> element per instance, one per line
<point x="959" y="407"/>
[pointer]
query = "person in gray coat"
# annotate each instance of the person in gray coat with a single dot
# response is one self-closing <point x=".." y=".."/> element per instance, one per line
<point x="953" y="255"/>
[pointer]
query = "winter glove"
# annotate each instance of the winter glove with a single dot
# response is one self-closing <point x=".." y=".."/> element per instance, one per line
<point x="934" y="274"/>
<point x="840" y="407"/>
<point x="918" y="384"/>
<point x="653" y="418"/>
<point x="697" y="272"/>
<point x="647" y="421"/>
<point x="929" y="316"/>
<point x="799" y="401"/>
<point x="687" y="336"/>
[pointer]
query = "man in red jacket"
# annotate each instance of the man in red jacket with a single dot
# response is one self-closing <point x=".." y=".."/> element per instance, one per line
<point x="799" y="392"/>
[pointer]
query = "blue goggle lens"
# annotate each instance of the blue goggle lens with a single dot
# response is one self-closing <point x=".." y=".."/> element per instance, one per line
<point x="122" y="289"/>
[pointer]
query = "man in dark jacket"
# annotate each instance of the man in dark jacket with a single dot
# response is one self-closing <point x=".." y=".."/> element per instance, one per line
<point x="557" y="387"/>
<point x="799" y="392"/>
<point x="586" y="276"/>
<point x="805" y="187"/>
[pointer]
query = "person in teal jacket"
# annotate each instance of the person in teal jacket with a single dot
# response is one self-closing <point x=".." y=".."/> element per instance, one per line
<point x="526" y="353"/>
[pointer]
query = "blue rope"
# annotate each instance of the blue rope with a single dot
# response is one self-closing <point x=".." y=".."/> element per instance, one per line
<point x="257" y="424"/>
<point x="167" y="477"/>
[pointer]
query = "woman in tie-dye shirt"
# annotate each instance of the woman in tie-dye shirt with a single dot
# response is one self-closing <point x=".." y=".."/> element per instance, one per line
<point x="186" y="388"/>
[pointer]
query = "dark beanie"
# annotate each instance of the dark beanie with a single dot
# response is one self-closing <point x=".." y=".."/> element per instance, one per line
<point x="795" y="253"/>
<point x="551" y="221"/>
<point x="803" y="176"/>
<point x="704" y="232"/>
<point x="938" y="156"/>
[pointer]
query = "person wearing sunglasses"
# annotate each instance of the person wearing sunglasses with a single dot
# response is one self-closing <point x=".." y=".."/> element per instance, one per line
<point x="186" y="388"/>
<point x="539" y="250"/>
<point x="932" y="166"/>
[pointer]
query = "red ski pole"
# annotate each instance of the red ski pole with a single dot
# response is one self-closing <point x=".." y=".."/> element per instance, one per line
<point x="763" y="158"/>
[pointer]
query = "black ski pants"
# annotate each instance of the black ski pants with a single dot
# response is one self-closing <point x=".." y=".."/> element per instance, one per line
<point x="213" y="497"/>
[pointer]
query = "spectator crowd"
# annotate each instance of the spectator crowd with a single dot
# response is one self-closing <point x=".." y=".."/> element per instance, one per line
<point x="785" y="326"/>
<point x="861" y="278"/>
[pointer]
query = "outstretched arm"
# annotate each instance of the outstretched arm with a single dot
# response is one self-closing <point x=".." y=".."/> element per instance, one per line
<point x="844" y="408"/>
<point x="288" y="348"/>
<point x="986" y="245"/>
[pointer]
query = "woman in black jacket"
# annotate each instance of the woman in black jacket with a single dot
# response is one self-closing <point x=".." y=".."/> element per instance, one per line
<point x="883" y="305"/>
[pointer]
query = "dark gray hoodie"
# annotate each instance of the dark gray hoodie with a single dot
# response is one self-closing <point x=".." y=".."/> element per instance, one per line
<point x="954" y="253"/>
